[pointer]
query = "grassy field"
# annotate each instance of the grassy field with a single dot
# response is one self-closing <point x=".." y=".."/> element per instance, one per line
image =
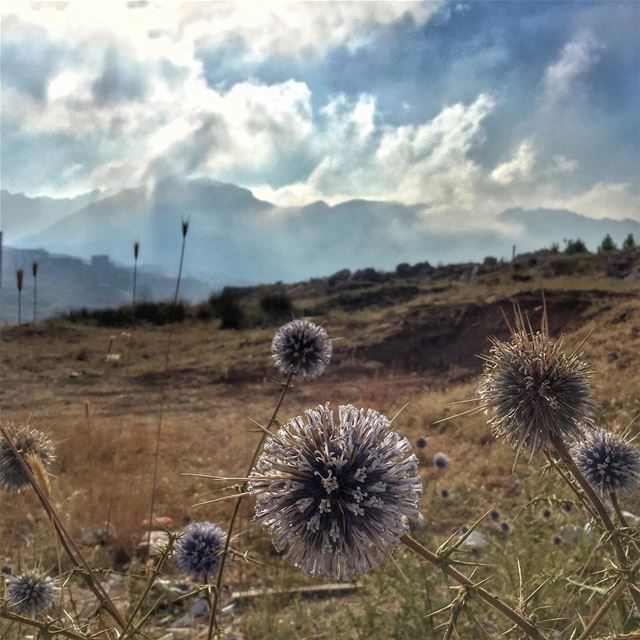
<point x="98" y="392"/>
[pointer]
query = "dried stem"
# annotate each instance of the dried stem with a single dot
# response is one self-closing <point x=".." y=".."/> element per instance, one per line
<point x="216" y="594"/>
<point x="46" y="630"/>
<point x="65" y="538"/>
<point x="617" y="509"/>
<point x="167" y="355"/>
<point x="615" y="593"/>
<point x="493" y="601"/>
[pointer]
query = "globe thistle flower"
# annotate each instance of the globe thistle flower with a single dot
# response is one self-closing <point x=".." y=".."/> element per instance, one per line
<point x="421" y="442"/>
<point x="505" y="527"/>
<point x="333" y="495"/>
<point x="29" y="442"/>
<point x="301" y="347"/>
<point x="567" y="506"/>
<point x="533" y="392"/>
<point x="494" y="514"/>
<point x="556" y="540"/>
<point x="441" y="461"/>
<point x="444" y="493"/>
<point x="608" y="462"/>
<point x="546" y="513"/>
<point x="30" y="593"/>
<point x="199" y="549"/>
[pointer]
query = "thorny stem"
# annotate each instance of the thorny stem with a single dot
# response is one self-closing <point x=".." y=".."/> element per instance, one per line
<point x="147" y="588"/>
<point x="67" y="541"/>
<point x="601" y="510"/>
<point x="615" y="593"/>
<point x="216" y="593"/>
<point x="492" y="600"/>
<point x="43" y="627"/>
<point x="617" y="509"/>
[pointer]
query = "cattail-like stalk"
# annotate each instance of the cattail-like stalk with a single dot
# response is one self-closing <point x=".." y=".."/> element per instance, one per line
<point x="34" y="271"/>
<point x="156" y="457"/>
<point x="136" y="253"/>
<point x="19" y="283"/>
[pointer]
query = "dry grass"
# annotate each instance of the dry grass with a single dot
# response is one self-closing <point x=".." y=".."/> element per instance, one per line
<point x="218" y="380"/>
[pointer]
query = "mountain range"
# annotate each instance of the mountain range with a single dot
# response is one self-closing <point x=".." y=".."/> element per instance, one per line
<point x="236" y="238"/>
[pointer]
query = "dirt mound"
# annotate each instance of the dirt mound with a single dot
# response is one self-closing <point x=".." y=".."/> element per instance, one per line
<point x="438" y="337"/>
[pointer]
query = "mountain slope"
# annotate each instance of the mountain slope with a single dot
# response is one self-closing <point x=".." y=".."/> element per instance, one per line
<point x="237" y="238"/>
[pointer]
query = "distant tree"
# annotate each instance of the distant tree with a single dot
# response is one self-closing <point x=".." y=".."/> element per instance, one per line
<point x="575" y="246"/>
<point x="629" y="242"/>
<point x="607" y="245"/>
<point x="277" y="306"/>
<point x="555" y="248"/>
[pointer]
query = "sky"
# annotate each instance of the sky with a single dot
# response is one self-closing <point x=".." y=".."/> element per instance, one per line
<point x="466" y="108"/>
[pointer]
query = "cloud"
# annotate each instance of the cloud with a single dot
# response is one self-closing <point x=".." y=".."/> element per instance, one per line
<point x="603" y="200"/>
<point x="576" y="58"/>
<point x="520" y="167"/>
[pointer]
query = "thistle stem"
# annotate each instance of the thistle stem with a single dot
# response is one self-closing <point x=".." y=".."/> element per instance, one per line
<point x="601" y="510"/>
<point x="213" y="624"/>
<point x="67" y="541"/>
<point x="47" y="630"/>
<point x="617" y="509"/>
<point x="493" y="601"/>
<point x="615" y="593"/>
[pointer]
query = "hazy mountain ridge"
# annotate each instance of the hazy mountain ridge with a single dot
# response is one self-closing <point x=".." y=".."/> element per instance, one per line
<point x="66" y="282"/>
<point x="22" y="215"/>
<point x="237" y="238"/>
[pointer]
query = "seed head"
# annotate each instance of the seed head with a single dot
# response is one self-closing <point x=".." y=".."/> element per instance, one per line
<point x="30" y="593"/>
<point x="198" y="550"/>
<point x="421" y="442"/>
<point x="546" y="513"/>
<point x="533" y="392"/>
<point x="494" y="514"/>
<point x="505" y="527"/>
<point x="444" y="493"/>
<point x="302" y="347"/>
<point x="334" y="495"/>
<point x="29" y="442"/>
<point x="608" y="461"/>
<point x="441" y="461"/>
<point x="556" y="540"/>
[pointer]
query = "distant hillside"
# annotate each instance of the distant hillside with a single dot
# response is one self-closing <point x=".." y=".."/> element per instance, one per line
<point x="21" y="215"/>
<point x="236" y="238"/>
<point x="65" y="282"/>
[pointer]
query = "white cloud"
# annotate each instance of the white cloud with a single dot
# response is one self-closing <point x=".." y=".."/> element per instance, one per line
<point x="520" y="167"/>
<point x="576" y="58"/>
<point x="602" y="200"/>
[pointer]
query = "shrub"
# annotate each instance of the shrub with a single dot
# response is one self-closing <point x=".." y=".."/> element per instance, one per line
<point x="226" y="306"/>
<point x="277" y="306"/>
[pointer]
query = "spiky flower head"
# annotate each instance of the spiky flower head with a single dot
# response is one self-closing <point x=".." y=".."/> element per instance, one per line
<point x="199" y="549"/>
<point x="301" y="347"/>
<point x="608" y="461"/>
<point x="30" y="593"/>
<point x="29" y="442"/>
<point x="494" y="514"/>
<point x="534" y="392"/>
<point x="333" y="495"/>
<point x="505" y="527"/>
<point x="441" y="461"/>
<point x="421" y="442"/>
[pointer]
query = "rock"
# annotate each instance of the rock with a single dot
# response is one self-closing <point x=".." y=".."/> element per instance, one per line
<point x="152" y="545"/>
<point x="476" y="542"/>
<point x="632" y="519"/>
